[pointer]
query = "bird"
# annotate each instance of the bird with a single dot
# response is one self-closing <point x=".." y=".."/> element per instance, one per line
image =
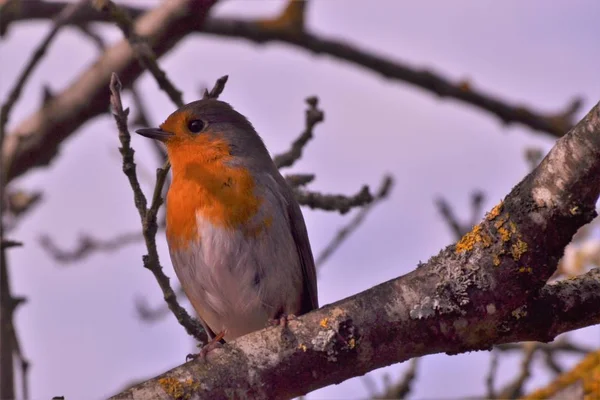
<point x="236" y="234"/>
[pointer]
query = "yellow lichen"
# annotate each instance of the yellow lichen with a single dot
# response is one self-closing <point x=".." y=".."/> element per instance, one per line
<point x="574" y="210"/>
<point x="496" y="260"/>
<point x="352" y="343"/>
<point x="518" y="249"/>
<point x="302" y="347"/>
<point x="324" y="322"/>
<point x="501" y="221"/>
<point x="172" y="386"/>
<point x="519" y="312"/>
<point x="587" y="371"/>
<point x="513" y="227"/>
<point x="525" y="269"/>
<point x="504" y="234"/>
<point x="468" y="241"/>
<point x="494" y="212"/>
<point x="179" y="390"/>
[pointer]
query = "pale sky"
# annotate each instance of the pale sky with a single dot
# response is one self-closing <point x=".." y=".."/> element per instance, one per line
<point x="80" y="328"/>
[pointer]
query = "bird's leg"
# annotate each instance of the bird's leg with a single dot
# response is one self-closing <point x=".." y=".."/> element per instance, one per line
<point x="212" y="344"/>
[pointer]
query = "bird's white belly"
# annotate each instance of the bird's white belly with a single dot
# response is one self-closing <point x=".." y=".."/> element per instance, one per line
<point x="237" y="282"/>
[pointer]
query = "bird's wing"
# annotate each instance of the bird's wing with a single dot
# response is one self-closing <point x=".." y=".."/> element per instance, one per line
<point x="310" y="300"/>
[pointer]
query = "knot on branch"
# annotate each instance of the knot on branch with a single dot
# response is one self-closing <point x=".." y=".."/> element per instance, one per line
<point x="291" y="20"/>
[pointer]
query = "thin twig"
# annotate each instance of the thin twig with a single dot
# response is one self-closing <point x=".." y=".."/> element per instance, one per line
<point x="313" y="116"/>
<point x="333" y="202"/>
<point x="514" y="389"/>
<point x="491" y="376"/>
<point x="297" y="180"/>
<point x="87" y="245"/>
<point x="149" y="314"/>
<point x="93" y="36"/>
<point x="402" y="388"/>
<point x="347" y="230"/>
<point x="148" y="216"/>
<point x="7" y="244"/>
<point x="559" y="345"/>
<point x="458" y="228"/>
<point x="142" y="51"/>
<point x="217" y="88"/>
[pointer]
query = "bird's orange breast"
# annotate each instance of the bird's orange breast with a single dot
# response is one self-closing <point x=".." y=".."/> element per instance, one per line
<point x="203" y="184"/>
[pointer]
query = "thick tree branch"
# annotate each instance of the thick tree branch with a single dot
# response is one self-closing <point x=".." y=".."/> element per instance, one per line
<point x="490" y="288"/>
<point x="36" y="140"/>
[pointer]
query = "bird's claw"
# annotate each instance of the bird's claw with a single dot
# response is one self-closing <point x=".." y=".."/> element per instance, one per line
<point x="281" y="321"/>
<point x="214" y="343"/>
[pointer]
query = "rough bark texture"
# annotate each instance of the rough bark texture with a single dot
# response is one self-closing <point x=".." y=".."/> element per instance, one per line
<point x="489" y="288"/>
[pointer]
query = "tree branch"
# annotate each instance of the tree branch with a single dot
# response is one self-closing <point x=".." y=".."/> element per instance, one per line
<point x="402" y="388"/>
<point x="360" y="216"/>
<point x="142" y="51"/>
<point x="148" y="215"/>
<point x="36" y="140"/>
<point x="490" y="288"/>
<point x="313" y="116"/>
<point x="333" y="202"/>
<point x="167" y="24"/>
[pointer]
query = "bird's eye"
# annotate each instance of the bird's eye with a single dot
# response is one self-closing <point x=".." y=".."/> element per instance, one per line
<point x="195" y="125"/>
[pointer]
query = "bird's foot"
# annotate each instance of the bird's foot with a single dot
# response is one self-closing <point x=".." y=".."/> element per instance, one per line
<point x="214" y="343"/>
<point x="281" y="321"/>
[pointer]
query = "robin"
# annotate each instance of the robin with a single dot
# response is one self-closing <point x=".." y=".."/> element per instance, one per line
<point x="236" y="235"/>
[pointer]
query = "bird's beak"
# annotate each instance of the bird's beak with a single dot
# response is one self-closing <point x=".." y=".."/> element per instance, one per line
<point x="155" y="133"/>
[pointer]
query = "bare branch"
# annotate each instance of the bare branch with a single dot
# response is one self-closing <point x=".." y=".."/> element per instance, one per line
<point x="143" y="52"/>
<point x="354" y="223"/>
<point x="148" y="216"/>
<point x="86" y="245"/>
<point x="297" y="180"/>
<point x="458" y="228"/>
<point x="93" y="36"/>
<point x="295" y="35"/>
<point x="61" y="20"/>
<point x="560" y="345"/>
<point x="491" y="376"/>
<point x="313" y="116"/>
<point x="10" y="347"/>
<point x="514" y="389"/>
<point x="149" y="314"/>
<point x="36" y="140"/>
<point x="333" y="202"/>
<point x="217" y="88"/>
<point x="42" y="146"/>
<point x="7" y="244"/>
<point x="402" y="388"/>
<point x="579" y="382"/>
